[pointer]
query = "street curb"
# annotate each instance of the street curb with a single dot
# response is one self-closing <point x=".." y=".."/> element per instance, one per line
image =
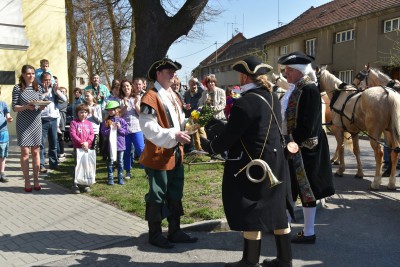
<point x="221" y="225"/>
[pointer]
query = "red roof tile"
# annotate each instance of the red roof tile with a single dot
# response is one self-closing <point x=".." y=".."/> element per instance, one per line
<point x="331" y="13"/>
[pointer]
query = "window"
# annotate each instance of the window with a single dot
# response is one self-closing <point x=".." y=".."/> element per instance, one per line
<point x="345" y="36"/>
<point x="346" y="76"/>
<point x="310" y="47"/>
<point x="284" y="50"/>
<point x="391" y="25"/>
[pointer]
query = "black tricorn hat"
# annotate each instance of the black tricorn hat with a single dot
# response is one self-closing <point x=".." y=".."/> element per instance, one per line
<point x="161" y="64"/>
<point x="296" y="58"/>
<point x="251" y="66"/>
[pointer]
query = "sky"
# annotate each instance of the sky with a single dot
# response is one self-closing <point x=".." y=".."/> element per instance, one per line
<point x="251" y="17"/>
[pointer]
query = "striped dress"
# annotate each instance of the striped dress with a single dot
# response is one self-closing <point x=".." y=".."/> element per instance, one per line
<point x="28" y="122"/>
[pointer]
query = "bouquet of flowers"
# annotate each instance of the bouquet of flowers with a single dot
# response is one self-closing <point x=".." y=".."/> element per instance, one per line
<point x="199" y="118"/>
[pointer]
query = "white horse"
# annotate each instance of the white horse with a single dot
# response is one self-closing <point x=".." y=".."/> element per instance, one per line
<point x="375" y="111"/>
<point x="370" y="77"/>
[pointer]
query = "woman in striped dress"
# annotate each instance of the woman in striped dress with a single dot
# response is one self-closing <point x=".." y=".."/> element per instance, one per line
<point x="28" y="123"/>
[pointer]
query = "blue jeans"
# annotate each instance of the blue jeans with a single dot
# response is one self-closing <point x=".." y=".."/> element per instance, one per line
<point x="386" y="156"/>
<point x="137" y="140"/>
<point x="49" y="131"/>
<point x="120" y="162"/>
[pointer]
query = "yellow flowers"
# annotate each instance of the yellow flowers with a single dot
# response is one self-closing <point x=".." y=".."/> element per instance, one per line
<point x="195" y="115"/>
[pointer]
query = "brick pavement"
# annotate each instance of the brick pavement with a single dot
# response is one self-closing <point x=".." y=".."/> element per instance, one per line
<point x="52" y="224"/>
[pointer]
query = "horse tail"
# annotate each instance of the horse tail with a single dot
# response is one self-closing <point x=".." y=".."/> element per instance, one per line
<point x="394" y="108"/>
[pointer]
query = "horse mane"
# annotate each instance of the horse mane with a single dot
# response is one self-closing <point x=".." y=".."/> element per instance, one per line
<point x="378" y="75"/>
<point x="329" y="81"/>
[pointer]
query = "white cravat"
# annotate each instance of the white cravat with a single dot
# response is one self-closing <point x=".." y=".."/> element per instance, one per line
<point x="284" y="104"/>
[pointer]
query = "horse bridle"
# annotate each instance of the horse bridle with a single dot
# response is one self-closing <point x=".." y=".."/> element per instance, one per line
<point x="362" y="75"/>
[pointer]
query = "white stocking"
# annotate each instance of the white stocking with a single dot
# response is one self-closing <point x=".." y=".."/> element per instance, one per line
<point x="309" y="220"/>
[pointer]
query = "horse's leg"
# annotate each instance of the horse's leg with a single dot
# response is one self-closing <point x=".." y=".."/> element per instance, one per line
<point x="378" y="160"/>
<point x="356" y="151"/>
<point x="335" y="158"/>
<point x="394" y="157"/>
<point x="389" y="142"/>
<point x="340" y="149"/>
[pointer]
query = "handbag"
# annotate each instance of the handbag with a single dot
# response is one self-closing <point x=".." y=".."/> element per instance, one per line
<point x="85" y="169"/>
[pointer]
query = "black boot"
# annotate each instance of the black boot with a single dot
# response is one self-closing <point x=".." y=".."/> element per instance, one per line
<point x="175" y="233"/>
<point x="251" y="254"/>
<point x="284" y="253"/>
<point x="154" y="218"/>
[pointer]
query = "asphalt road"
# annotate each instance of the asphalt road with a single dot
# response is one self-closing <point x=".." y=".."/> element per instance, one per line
<point x="356" y="227"/>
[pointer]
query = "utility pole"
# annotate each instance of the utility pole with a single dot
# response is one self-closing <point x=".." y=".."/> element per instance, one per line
<point x="89" y="54"/>
<point x="216" y="52"/>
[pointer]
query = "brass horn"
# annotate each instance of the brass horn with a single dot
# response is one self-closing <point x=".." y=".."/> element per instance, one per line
<point x="266" y="169"/>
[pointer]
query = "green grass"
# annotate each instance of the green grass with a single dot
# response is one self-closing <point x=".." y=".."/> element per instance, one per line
<point x="202" y="191"/>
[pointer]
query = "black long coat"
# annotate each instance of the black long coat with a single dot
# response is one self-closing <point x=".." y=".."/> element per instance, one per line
<point x="316" y="160"/>
<point x="254" y="206"/>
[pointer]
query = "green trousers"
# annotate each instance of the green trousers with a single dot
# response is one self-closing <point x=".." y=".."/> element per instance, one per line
<point x="164" y="185"/>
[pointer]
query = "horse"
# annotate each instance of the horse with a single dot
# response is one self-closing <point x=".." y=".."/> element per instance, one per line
<point x="370" y="77"/>
<point x="278" y="89"/>
<point x="374" y="110"/>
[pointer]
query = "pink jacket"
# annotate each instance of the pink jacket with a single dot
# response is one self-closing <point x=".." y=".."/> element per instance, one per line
<point x="81" y="131"/>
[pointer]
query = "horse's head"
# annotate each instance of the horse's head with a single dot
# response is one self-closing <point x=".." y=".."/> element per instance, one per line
<point x="360" y="77"/>
<point x="275" y="77"/>
<point x="280" y="81"/>
<point x="326" y="80"/>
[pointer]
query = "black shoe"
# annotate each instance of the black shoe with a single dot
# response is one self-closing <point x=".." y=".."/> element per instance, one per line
<point x="276" y="263"/>
<point x="242" y="263"/>
<point x="300" y="238"/>
<point x="161" y="242"/>
<point x="181" y="237"/>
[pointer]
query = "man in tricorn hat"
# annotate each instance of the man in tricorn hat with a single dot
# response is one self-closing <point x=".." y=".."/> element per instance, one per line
<point x="252" y="137"/>
<point x="162" y="120"/>
<point x="310" y="170"/>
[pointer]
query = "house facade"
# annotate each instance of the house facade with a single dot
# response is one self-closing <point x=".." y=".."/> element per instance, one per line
<point x="345" y="35"/>
<point x="31" y="30"/>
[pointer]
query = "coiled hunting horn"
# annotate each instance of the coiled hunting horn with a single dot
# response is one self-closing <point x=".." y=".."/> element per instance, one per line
<point x="291" y="148"/>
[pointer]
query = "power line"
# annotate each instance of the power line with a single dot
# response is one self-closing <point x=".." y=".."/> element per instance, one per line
<point x="196" y="52"/>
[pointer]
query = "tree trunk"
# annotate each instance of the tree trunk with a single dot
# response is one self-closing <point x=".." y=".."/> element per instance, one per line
<point x="132" y="43"/>
<point x="156" y="32"/>
<point x="72" y="63"/>
<point x="116" y="35"/>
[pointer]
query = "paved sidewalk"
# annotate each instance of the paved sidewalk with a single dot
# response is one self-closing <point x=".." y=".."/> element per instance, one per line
<point x="356" y="228"/>
<point x="51" y="224"/>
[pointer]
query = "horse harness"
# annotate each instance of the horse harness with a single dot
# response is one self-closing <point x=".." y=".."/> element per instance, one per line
<point x="335" y="96"/>
<point x="357" y="93"/>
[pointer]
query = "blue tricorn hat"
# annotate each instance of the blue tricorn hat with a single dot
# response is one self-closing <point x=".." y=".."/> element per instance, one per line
<point x="295" y="58"/>
<point x="251" y="66"/>
<point x="161" y="64"/>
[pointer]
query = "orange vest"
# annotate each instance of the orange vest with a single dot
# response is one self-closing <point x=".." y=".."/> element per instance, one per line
<point x="153" y="156"/>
